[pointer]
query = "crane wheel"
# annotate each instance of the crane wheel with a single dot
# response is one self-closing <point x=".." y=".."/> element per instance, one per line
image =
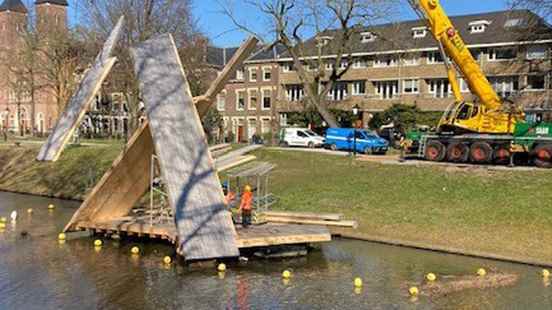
<point x="481" y="153"/>
<point x="502" y="154"/>
<point x="435" y="151"/>
<point x="543" y="156"/>
<point x="458" y="152"/>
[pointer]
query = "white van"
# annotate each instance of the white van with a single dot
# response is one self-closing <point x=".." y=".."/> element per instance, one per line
<point x="300" y="137"/>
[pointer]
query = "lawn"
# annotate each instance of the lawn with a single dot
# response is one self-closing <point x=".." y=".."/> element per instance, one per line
<point x="504" y="213"/>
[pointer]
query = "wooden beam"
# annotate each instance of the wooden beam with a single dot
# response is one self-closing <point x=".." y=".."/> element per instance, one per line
<point x="203" y="223"/>
<point x="271" y="219"/>
<point x="304" y="215"/>
<point x="81" y="100"/>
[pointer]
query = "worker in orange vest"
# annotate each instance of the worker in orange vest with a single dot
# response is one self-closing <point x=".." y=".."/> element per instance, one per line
<point x="246" y="206"/>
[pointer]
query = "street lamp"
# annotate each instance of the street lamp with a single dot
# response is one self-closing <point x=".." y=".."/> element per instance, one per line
<point x="356" y="110"/>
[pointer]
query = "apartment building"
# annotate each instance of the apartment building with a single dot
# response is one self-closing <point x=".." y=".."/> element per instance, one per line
<point x="400" y="63"/>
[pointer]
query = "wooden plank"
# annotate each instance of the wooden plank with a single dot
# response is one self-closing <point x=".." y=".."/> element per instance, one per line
<point x="122" y="185"/>
<point x="304" y="215"/>
<point x="204" y="226"/>
<point x="271" y="219"/>
<point x="222" y="166"/>
<point x="81" y="99"/>
<point x="270" y="235"/>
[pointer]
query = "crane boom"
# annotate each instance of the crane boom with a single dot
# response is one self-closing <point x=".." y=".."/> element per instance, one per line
<point x="454" y="47"/>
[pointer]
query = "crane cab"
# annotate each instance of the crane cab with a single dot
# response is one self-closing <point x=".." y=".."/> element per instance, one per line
<point x="472" y="117"/>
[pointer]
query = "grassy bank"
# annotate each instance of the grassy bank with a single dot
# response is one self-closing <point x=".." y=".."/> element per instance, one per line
<point x="500" y="212"/>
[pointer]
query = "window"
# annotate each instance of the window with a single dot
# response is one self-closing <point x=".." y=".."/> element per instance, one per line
<point x="439" y="88"/>
<point x="360" y="63"/>
<point x="478" y="53"/>
<point x="267" y="99"/>
<point x="464" y="87"/>
<point x="338" y="92"/>
<point x="411" y="86"/>
<point x="267" y="74"/>
<point x="283" y="120"/>
<point x="323" y="41"/>
<point x="252" y="99"/>
<point x="265" y="125"/>
<point x="536" y="82"/>
<point x="419" y="32"/>
<point x="514" y="22"/>
<point x="497" y="54"/>
<point x="294" y="92"/>
<point x="253" y="74"/>
<point x="387" y="61"/>
<point x="329" y="66"/>
<point x="239" y="74"/>
<point x="221" y="101"/>
<point x="386" y="89"/>
<point x="367" y="37"/>
<point x="359" y="88"/>
<point x="343" y="65"/>
<point x="505" y="86"/>
<point x="287" y="67"/>
<point x="536" y="52"/>
<point x="435" y="58"/>
<point x="410" y="60"/>
<point x="240" y="100"/>
<point x="479" y="26"/>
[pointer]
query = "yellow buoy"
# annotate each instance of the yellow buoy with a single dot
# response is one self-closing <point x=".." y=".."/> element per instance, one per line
<point x="167" y="260"/>
<point x="431" y="277"/>
<point x="221" y="267"/>
<point x="358" y="282"/>
<point x="481" y="272"/>
<point x="51" y="207"/>
<point x="98" y="242"/>
<point x="358" y="290"/>
<point x="546" y="273"/>
<point x="2" y="225"/>
<point x="135" y="250"/>
<point x="414" y="291"/>
<point x="3" y="219"/>
<point x="61" y="236"/>
<point x="286" y="274"/>
<point x="29" y="210"/>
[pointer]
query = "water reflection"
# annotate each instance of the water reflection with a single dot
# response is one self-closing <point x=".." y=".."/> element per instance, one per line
<point x="39" y="271"/>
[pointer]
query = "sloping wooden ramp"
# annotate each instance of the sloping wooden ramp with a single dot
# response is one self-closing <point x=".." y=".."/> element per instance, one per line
<point x="204" y="226"/>
<point x="81" y="100"/>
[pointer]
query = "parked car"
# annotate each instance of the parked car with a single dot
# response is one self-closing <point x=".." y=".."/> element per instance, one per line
<point x="366" y="142"/>
<point x="300" y="137"/>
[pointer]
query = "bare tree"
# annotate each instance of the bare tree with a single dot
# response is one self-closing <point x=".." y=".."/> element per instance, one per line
<point x="143" y="19"/>
<point x="336" y="26"/>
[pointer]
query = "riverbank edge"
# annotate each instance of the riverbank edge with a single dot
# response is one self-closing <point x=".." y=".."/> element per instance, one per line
<point x="59" y="197"/>
<point x="347" y="233"/>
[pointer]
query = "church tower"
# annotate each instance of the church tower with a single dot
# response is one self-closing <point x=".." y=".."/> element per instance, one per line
<point x="13" y="20"/>
<point x="51" y="15"/>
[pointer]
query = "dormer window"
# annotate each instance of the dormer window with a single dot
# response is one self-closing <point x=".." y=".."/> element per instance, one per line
<point x="324" y="40"/>
<point x="479" y="26"/>
<point x="419" y="32"/>
<point x="368" y="37"/>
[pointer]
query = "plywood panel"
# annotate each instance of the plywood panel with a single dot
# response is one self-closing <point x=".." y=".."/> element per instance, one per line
<point x="203" y="223"/>
<point x="81" y="100"/>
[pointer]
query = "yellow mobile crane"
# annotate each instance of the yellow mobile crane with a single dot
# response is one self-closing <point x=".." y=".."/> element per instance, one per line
<point x="484" y="131"/>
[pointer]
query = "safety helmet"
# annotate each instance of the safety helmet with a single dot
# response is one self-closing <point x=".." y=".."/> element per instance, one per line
<point x="247" y="188"/>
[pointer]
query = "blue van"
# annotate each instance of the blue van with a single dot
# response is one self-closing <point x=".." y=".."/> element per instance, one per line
<point x="366" y="142"/>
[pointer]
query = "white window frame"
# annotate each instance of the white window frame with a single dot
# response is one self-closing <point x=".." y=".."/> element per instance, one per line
<point x="263" y="90"/>
<point x="341" y="94"/>
<point x="240" y="75"/>
<point x="434" y="83"/>
<point x="536" y="89"/>
<point x="264" y="119"/>
<point x="432" y="59"/>
<point x="506" y="85"/>
<point x="251" y="71"/>
<point x="360" y="63"/>
<point x="478" y="26"/>
<point x="367" y="37"/>
<point x="491" y="56"/>
<point x="287" y="67"/>
<point x="415" y="87"/>
<point x="343" y="65"/>
<point x="221" y="101"/>
<point x="356" y="87"/>
<point x="392" y="85"/>
<point x="294" y="92"/>
<point x="329" y="66"/>
<point x="265" y="70"/>
<point x="283" y="119"/>
<point x="386" y="62"/>
<point x="411" y="61"/>
<point x="238" y="91"/>
<point x="464" y="87"/>
<point x="531" y="50"/>
<point x="249" y="97"/>
<point x="419" y="32"/>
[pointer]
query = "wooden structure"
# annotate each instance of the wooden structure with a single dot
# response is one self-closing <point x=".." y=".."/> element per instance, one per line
<point x="203" y="224"/>
<point x="307" y="218"/>
<point x="81" y="100"/>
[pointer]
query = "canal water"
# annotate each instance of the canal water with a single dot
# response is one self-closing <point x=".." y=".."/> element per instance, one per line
<point x="37" y="272"/>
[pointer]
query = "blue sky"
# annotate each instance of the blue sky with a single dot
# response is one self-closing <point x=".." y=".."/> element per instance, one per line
<point x="221" y="31"/>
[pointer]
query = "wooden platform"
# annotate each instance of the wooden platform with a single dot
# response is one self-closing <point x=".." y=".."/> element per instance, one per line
<point x="254" y="236"/>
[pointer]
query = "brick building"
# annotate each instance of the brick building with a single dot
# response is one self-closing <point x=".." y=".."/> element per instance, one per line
<point x="15" y="109"/>
<point x="398" y="63"/>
